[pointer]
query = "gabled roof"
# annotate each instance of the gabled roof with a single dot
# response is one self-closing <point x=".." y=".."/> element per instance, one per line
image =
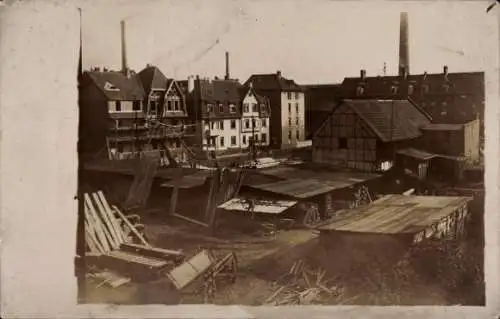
<point x="322" y="97"/>
<point x="116" y="86"/>
<point x="391" y="120"/>
<point x="220" y="91"/>
<point x="264" y="104"/>
<point x="273" y="81"/>
<point x="153" y="78"/>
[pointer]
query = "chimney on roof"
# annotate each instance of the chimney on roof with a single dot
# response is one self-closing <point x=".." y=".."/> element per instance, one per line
<point x="278" y="73"/>
<point x="445" y="70"/>
<point x="404" y="51"/>
<point x="190" y="84"/>
<point x="250" y="84"/>
<point x="124" y="49"/>
<point x="227" y="77"/>
<point x="362" y="74"/>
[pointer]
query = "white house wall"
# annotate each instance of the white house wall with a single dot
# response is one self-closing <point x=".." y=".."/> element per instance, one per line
<point x="261" y="132"/>
<point x="226" y="133"/>
<point x="294" y="126"/>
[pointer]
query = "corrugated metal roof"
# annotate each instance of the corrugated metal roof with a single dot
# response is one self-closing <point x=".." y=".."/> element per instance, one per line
<point x="393" y="214"/>
<point x="298" y="188"/>
<point x="415" y="153"/>
<point x="261" y="206"/>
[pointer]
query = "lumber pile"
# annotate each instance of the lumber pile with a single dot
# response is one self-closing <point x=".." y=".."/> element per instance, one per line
<point x="303" y="286"/>
<point x="106" y="227"/>
<point x="116" y="242"/>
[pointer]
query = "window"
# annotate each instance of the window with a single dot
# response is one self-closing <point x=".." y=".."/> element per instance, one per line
<point x="222" y="141"/>
<point x="245" y="107"/>
<point x="244" y="139"/>
<point x="297" y="134"/>
<point x="247" y="123"/>
<point x="342" y="143"/>
<point x="253" y="122"/>
<point x="296" y="121"/>
<point x="232" y="108"/>
<point x="264" y="123"/>
<point x="289" y="95"/>
<point x="289" y="107"/>
<point x="177" y="105"/>
<point x="221" y="108"/>
<point x="360" y="91"/>
<point x="152" y="107"/>
<point x="264" y="138"/>
<point x="118" y="106"/>
<point x="394" y="89"/>
<point x="221" y="125"/>
<point x="233" y="124"/>
<point x="289" y="136"/>
<point x="289" y="121"/>
<point x="410" y="89"/>
<point x="212" y="125"/>
<point x="169" y="105"/>
<point x="233" y="140"/>
<point x="120" y="148"/>
<point x="296" y="95"/>
<point x="210" y="108"/>
<point x="297" y="108"/>
<point x="254" y="107"/>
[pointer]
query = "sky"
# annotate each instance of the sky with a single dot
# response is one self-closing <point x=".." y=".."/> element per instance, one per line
<point x="310" y="41"/>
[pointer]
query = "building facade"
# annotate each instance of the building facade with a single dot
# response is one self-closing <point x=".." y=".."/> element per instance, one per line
<point x="214" y="107"/>
<point x="365" y="134"/>
<point x="287" y="104"/>
<point x="165" y="109"/>
<point x="112" y="120"/>
<point x="320" y="99"/>
<point x="255" y="119"/>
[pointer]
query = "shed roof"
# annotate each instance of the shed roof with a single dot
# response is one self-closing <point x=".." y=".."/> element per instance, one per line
<point x="193" y="180"/>
<point x="415" y="153"/>
<point x="298" y="188"/>
<point x="393" y="214"/>
<point x="442" y="127"/>
<point x="261" y="206"/>
<point x="391" y="120"/>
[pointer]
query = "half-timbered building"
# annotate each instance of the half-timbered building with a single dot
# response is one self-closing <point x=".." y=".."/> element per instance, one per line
<point x="365" y="134"/>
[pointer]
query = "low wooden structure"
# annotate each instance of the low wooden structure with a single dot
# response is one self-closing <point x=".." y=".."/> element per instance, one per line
<point x="387" y="227"/>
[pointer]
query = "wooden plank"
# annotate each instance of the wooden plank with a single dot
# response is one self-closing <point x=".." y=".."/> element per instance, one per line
<point x="129" y="257"/>
<point x="90" y="244"/>
<point x="191" y="220"/>
<point x="89" y="227"/>
<point x="152" y="251"/>
<point x="96" y="223"/>
<point x="107" y="222"/>
<point x="115" y="222"/>
<point x="91" y="237"/>
<point x="132" y="228"/>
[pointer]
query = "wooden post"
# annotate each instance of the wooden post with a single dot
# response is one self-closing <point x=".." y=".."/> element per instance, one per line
<point x="175" y="191"/>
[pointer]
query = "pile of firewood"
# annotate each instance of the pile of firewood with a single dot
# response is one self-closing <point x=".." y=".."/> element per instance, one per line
<point x="106" y="227"/>
<point x="303" y="286"/>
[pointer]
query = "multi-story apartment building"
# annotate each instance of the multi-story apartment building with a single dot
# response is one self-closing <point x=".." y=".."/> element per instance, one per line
<point x="214" y="106"/>
<point x="286" y="98"/>
<point x="255" y="118"/>
<point x="165" y="109"/>
<point x="112" y="114"/>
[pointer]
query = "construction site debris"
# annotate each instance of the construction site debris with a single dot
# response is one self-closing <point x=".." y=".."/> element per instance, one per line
<point x="302" y="286"/>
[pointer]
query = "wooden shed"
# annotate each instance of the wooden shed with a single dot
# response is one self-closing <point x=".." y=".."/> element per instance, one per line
<point x="386" y="228"/>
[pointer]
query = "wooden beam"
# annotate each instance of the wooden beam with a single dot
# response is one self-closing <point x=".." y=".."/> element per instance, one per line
<point x="175" y="191"/>
<point x="191" y="220"/>
<point x="132" y="228"/>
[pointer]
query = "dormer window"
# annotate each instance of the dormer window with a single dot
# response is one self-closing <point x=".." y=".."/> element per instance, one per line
<point x="425" y="88"/>
<point x="394" y="89"/>
<point x="136" y="106"/>
<point x="210" y="108"/>
<point x="110" y="87"/>
<point x="221" y="108"/>
<point x="245" y="107"/>
<point x="360" y="91"/>
<point x="410" y="89"/>
<point x="232" y="108"/>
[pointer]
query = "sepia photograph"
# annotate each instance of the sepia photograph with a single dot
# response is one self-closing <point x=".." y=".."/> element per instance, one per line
<point x="229" y="157"/>
<point x="249" y="159"/>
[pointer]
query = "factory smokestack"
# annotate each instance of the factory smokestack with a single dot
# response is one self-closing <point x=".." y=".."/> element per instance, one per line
<point x="404" y="51"/>
<point x="227" y="66"/>
<point x="124" y="48"/>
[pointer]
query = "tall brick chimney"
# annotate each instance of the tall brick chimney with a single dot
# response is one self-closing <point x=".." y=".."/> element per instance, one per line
<point x="227" y="77"/>
<point x="404" y="50"/>
<point x="124" y="48"/>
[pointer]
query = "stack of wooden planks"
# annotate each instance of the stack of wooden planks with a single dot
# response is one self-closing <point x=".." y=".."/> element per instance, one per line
<point x="110" y="237"/>
<point x="302" y="286"/>
<point x="106" y="227"/>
